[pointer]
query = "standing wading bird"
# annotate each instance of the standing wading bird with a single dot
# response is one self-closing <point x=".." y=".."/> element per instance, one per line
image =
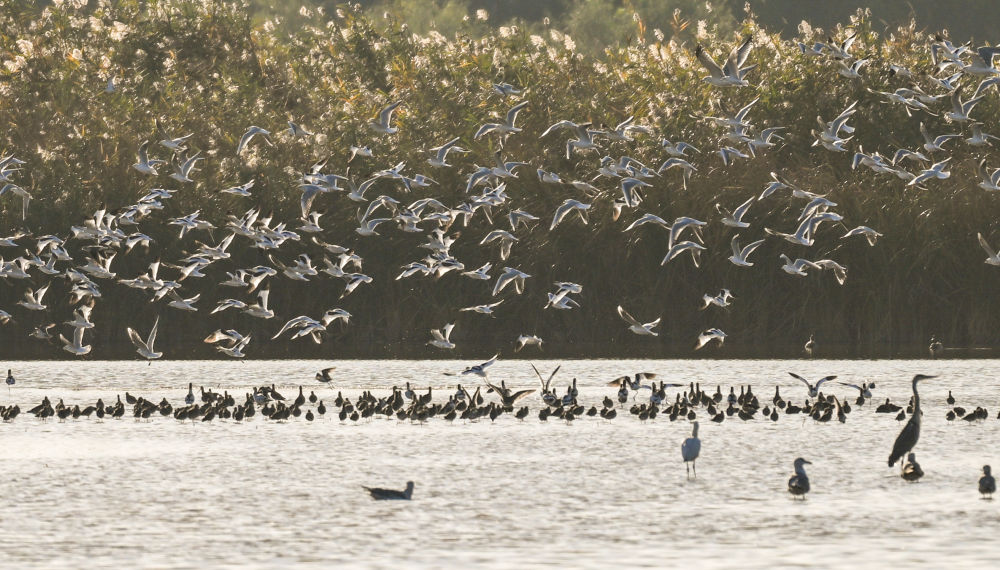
<point x="911" y="469"/>
<point x="810" y="346"/>
<point x="936" y="347"/>
<point x="10" y="379"/>
<point x="690" y="450"/>
<point x="908" y="437"/>
<point x="987" y="484"/>
<point x="798" y="484"/>
<point x="391" y="494"/>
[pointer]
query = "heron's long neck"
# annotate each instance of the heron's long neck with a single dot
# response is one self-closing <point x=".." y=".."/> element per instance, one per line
<point x="916" y="399"/>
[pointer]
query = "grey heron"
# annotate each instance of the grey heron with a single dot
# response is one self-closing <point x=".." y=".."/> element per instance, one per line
<point x="690" y="450"/>
<point x="907" y="438"/>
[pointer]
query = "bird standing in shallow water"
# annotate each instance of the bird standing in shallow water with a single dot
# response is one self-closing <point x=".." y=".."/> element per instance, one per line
<point x="10" y="379"/>
<point x="908" y="437"/>
<point x="911" y="469"/>
<point x="810" y="346"/>
<point x="936" y="347"/>
<point x="690" y="450"/>
<point x="798" y="484"/>
<point x="987" y="484"/>
<point x="391" y="494"/>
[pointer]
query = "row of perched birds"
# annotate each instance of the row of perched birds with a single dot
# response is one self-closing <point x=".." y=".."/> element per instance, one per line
<point x="87" y="257"/>
<point x="640" y="394"/>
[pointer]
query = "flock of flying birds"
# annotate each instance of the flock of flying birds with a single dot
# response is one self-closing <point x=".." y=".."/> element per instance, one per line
<point x="111" y="234"/>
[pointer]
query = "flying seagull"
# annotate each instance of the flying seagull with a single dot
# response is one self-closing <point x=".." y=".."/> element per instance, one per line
<point x="145" y="347"/>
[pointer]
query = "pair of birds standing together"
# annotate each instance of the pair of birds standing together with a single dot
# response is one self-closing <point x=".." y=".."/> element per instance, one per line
<point x="798" y="484"/>
<point x="912" y="472"/>
<point x="936" y="347"/>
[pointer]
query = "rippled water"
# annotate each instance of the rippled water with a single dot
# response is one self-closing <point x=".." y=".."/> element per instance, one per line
<point x="169" y="494"/>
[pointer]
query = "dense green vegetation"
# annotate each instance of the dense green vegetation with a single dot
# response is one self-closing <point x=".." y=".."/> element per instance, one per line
<point x="596" y="24"/>
<point x="211" y="69"/>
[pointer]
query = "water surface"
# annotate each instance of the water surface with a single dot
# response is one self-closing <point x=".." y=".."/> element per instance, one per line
<point x="591" y="494"/>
